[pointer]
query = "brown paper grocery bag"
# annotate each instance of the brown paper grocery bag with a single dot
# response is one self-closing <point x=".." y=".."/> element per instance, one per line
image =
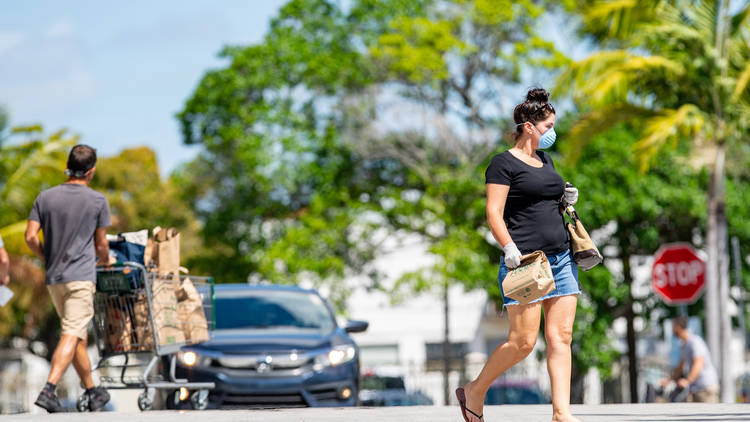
<point x="164" y="311"/>
<point x="530" y="280"/>
<point x="144" y="335"/>
<point x="118" y="327"/>
<point x="190" y="311"/>
<point x="163" y="250"/>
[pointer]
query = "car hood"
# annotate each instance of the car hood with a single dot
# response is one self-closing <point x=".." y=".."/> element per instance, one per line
<point x="263" y="341"/>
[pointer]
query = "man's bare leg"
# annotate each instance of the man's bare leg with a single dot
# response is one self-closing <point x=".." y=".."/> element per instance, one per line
<point x="63" y="356"/>
<point x="82" y="364"/>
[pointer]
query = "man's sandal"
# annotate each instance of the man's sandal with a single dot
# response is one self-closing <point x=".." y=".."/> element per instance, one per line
<point x="461" y="396"/>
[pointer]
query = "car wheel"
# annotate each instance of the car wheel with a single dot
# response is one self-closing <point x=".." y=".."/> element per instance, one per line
<point x="199" y="400"/>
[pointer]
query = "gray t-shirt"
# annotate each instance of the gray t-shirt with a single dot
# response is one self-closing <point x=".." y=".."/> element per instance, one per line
<point x="693" y="348"/>
<point x="69" y="214"/>
<point x="2" y="245"/>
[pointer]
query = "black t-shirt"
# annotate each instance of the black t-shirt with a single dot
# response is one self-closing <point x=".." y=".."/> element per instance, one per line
<point x="531" y="210"/>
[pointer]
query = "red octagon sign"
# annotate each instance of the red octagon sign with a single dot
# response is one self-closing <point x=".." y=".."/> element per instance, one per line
<point x="678" y="274"/>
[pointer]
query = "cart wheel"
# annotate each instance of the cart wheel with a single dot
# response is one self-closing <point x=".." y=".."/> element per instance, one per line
<point x="199" y="400"/>
<point x="144" y="401"/>
<point x="83" y="403"/>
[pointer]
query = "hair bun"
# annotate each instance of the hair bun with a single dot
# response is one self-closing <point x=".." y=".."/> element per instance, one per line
<point x="539" y="95"/>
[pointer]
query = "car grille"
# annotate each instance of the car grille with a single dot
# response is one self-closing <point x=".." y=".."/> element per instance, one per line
<point x="264" y="364"/>
<point x="263" y="400"/>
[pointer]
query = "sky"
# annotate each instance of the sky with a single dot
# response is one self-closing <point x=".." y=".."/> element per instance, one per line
<point x="117" y="72"/>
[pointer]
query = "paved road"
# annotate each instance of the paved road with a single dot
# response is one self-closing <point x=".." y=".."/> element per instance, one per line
<point x="685" y="412"/>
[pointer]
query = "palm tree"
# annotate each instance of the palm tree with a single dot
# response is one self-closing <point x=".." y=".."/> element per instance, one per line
<point x="27" y="166"/>
<point x="682" y="72"/>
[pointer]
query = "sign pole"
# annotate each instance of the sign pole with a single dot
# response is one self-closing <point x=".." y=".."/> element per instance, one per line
<point x="683" y="310"/>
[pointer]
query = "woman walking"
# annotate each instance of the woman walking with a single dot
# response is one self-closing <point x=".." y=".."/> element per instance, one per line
<point x="523" y="195"/>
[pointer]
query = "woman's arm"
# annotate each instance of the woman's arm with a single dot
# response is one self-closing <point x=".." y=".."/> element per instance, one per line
<point x="496" y="197"/>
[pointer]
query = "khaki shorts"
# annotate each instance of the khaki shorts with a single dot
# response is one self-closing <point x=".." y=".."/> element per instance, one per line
<point x="74" y="303"/>
<point x="707" y="395"/>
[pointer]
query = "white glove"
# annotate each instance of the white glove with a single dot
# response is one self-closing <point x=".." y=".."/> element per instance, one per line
<point x="570" y="196"/>
<point x="512" y="255"/>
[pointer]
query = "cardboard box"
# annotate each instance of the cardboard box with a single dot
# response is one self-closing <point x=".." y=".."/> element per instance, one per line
<point x="530" y="280"/>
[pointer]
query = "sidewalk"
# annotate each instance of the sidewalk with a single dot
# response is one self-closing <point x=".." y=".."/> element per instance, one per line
<point x="683" y="412"/>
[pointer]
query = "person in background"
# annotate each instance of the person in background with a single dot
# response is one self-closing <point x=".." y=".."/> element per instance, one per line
<point x="74" y="219"/>
<point x="4" y="265"/>
<point x="702" y="379"/>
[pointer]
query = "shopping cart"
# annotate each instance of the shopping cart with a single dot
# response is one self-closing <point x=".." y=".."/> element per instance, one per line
<point x="142" y="320"/>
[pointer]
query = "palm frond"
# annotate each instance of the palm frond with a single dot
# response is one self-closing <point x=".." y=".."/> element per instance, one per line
<point x="742" y="82"/>
<point x="741" y="20"/>
<point x="607" y="77"/>
<point x="668" y="126"/>
<point x="13" y="238"/>
<point x="596" y="122"/>
<point x="703" y="15"/>
<point x="43" y="158"/>
<point x="618" y="19"/>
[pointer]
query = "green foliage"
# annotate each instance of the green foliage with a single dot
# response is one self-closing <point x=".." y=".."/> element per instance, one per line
<point x="32" y="162"/>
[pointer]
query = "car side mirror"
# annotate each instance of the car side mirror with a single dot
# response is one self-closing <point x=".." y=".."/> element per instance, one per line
<point x="355" y="326"/>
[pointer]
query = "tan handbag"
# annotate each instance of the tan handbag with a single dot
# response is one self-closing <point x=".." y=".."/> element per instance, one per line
<point x="530" y="280"/>
<point x="585" y="253"/>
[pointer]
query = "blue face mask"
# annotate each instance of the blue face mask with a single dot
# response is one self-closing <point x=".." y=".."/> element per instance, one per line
<point x="547" y="139"/>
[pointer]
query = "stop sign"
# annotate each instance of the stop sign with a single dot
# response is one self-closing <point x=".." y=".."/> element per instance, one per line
<point x="678" y="274"/>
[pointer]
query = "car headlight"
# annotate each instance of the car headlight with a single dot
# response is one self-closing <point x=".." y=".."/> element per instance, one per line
<point x="190" y="358"/>
<point x="335" y="356"/>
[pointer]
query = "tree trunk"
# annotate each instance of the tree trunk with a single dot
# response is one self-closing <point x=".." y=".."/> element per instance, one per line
<point x="631" y="335"/>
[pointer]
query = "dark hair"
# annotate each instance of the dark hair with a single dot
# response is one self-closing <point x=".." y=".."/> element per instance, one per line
<point x="681" y="321"/>
<point x="82" y="158"/>
<point x="535" y="108"/>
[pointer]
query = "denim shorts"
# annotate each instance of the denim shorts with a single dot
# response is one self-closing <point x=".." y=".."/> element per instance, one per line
<point x="564" y="271"/>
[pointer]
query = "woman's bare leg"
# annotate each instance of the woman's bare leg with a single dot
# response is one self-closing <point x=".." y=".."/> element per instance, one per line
<point x="524" y="329"/>
<point x="559" y="313"/>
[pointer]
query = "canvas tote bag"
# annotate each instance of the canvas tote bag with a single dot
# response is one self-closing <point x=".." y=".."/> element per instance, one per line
<point x="530" y="280"/>
<point x="585" y="253"/>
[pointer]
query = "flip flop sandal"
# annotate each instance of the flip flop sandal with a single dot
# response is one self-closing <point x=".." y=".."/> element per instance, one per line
<point x="461" y="396"/>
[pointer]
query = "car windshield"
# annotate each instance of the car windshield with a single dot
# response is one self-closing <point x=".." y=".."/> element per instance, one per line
<point x="269" y="309"/>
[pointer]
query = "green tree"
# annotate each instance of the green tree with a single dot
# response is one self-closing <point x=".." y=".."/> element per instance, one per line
<point x="277" y="160"/>
<point x="140" y="199"/>
<point x="684" y="71"/>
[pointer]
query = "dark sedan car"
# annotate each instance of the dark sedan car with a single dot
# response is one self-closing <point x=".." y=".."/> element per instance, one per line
<point x="504" y="391"/>
<point x="274" y="346"/>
